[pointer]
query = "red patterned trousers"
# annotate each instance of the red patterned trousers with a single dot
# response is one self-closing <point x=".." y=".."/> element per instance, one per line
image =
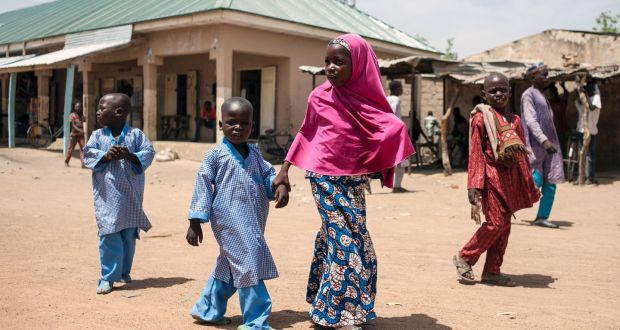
<point x="492" y="236"/>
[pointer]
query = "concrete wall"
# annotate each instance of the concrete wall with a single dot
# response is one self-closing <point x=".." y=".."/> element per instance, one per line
<point x="550" y="45"/>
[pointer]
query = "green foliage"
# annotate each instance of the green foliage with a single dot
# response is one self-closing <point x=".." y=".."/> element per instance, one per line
<point x="450" y="53"/>
<point x="607" y="22"/>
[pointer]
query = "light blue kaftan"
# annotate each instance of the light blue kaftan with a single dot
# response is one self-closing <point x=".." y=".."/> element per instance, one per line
<point x="118" y="186"/>
<point x="233" y="194"/>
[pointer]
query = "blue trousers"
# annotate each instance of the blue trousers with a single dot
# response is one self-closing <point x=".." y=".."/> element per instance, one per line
<point x="255" y="303"/>
<point x="116" y="252"/>
<point x="548" y="195"/>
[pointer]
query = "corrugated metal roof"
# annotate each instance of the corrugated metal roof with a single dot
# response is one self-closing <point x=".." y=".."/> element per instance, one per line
<point x="71" y="16"/>
<point x="8" y="60"/>
<point x="80" y="44"/>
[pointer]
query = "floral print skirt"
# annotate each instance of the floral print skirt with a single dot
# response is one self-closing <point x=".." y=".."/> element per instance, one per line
<point x="343" y="275"/>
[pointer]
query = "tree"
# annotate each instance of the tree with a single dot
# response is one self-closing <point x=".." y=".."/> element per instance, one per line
<point x="607" y="22"/>
<point x="450" y="54"/>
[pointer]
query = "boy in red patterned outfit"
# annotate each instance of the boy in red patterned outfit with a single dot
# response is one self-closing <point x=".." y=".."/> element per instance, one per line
<point x="499" y="177"/>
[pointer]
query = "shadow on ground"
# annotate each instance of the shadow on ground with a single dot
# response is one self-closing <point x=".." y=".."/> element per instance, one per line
<point x="278" y="320"/>
<point x="535" y="281"/>
<point x="562" y="223"/>
<point x="154" y="282"/>
<point x="413" y="321"/>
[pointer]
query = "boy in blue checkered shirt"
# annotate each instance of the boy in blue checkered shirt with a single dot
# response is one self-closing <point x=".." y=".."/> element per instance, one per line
<point x="118" y="155"/>
<point x="232" y="192"/>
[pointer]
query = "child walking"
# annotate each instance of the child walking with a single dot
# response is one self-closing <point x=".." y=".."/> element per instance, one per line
<point x="232" y="192"/>
<point x="77" y="132"/>
<point x="498" y="177"/>
<point x="349" y="132"/>
<point x="118" y="155"/>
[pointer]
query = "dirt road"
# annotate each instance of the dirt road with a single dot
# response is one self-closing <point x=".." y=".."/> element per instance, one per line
<point x="49" y="258"/>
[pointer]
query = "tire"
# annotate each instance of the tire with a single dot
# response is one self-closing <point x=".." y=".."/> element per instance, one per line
<point x="571" y="166"/>
<point x="39" y="136"/>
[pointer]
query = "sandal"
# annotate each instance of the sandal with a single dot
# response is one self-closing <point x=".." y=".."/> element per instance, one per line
<point x="497" y="279"/>
<point x="463" y="270"/>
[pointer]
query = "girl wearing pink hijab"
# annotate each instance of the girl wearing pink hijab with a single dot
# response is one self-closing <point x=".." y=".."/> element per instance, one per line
<point x="349" y="132"/>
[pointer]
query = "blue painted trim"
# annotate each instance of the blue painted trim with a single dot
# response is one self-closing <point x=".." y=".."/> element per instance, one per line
<point x="67" y="111"/>
<point x="11" y="123"/>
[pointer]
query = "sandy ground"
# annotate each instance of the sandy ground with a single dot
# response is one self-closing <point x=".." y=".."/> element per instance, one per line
<point x="568" y="278"/>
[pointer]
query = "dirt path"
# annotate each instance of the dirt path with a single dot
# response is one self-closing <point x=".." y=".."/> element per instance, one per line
<point x="49" y="257"/>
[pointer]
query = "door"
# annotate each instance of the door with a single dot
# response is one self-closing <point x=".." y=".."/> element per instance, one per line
<point x="170" y="99"/>
<point x="268" y="98"/>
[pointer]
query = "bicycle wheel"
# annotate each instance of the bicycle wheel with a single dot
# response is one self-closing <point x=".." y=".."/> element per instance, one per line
<point x="573" y="162"/>
<point x="39" y="136"/>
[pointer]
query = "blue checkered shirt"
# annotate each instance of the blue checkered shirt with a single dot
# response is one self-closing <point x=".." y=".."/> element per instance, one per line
<point x="233" y="194"/>
<point x="118" y="186"/>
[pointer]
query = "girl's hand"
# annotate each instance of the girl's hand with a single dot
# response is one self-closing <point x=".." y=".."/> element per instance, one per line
<point x="474" y="196"/>
<point x="281" y="196"/>
<point x="282" y="178"/>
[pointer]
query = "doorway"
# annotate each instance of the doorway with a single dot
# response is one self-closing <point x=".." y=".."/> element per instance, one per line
<point x="250" y="89"/>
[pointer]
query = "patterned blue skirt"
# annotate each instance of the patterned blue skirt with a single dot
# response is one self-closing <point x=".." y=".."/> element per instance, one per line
<point x="343" y="275"/>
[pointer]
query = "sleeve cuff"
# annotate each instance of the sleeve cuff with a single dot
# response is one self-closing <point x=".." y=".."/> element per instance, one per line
<point x="99" y="167"/>
<point x="202" y="216"/>
<point x="268" y="188"/>
<point x="542" y="138"/>
<point x="139" y="169"/>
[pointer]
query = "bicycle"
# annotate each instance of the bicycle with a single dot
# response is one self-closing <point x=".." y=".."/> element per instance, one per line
<point x="572" y="157"/>
<point x="272" y="150"/>
<point x="40" y="135"/>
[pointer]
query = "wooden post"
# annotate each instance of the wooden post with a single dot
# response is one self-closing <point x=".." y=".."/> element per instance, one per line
<point x="585" y="117"/>
<point x="4" y="78"/>
<point x="67" y="110"/>
<point x="43" y="91"/>
<point x="11" y="123"/>
<point x="445" y="157"/>
<point x="224" y="72"/>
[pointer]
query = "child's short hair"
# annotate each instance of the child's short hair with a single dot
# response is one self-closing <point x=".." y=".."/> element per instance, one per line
<point x="395" y="85"/>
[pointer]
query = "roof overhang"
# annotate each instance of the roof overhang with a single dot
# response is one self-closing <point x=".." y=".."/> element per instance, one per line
<point x="396" y="67"/>
<point x="76" y="46"/>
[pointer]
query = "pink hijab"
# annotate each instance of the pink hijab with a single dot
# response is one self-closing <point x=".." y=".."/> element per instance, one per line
<point x="351" y="129"/>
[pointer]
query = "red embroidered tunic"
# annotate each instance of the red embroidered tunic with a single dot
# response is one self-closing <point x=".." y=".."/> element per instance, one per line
<point x="514" y="186"/>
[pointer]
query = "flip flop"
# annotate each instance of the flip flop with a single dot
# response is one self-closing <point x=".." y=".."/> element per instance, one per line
<point x="463" y="270"/>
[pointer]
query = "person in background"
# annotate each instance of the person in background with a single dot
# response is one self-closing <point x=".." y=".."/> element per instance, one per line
<point x="396" y="90"/>
<point x="594" y="106"/>
<point x="542" y="142"/>
<point x="76" y="118"/>
<point x="206" y="118"/>
<point x="431" y="124"/>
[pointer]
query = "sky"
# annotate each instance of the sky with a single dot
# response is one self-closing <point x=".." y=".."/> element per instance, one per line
<point x="475" y="25"/>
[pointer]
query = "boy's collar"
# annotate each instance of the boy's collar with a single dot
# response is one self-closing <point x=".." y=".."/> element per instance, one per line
<point x="234" y="150"/>
<point x="108" y="132"/>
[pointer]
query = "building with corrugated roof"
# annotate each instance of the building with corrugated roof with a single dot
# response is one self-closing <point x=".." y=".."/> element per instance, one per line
<point x="171" y="56"/>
